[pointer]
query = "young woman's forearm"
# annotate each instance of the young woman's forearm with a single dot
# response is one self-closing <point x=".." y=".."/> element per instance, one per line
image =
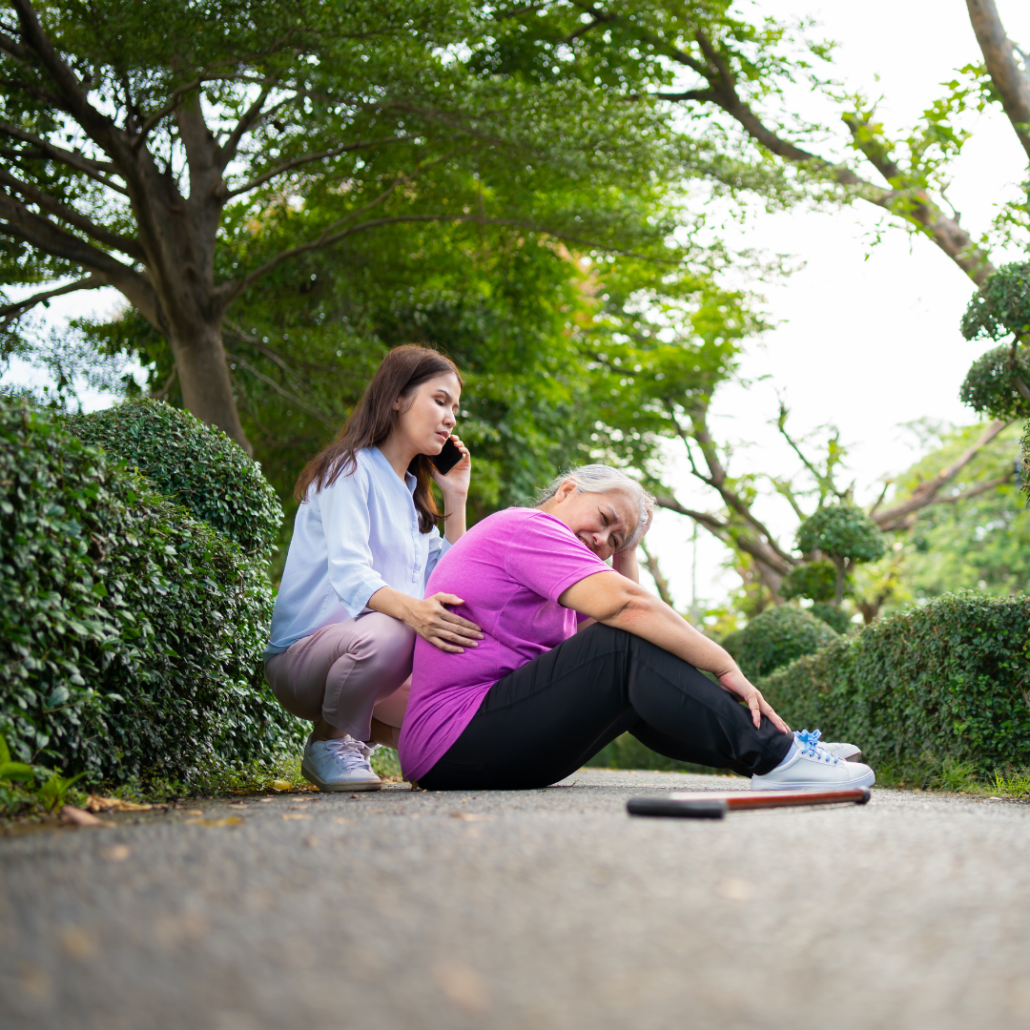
<point x="454" y="517"/>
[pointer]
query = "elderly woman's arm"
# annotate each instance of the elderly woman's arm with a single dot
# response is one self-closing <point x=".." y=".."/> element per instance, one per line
<point x="619" y="602"/>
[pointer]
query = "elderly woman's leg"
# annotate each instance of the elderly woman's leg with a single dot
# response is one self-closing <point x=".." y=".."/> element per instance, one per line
<point x="543" y="721"/>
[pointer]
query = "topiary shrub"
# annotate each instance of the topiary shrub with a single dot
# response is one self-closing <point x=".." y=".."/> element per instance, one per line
<point x="776" y="637"/>
<point x="131" y="632"/>
<point x="946" y="682"/>
<point x="192" y="463"/>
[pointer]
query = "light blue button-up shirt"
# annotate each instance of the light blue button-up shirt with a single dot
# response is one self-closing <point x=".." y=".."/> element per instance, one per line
<point x="350" y="540"/>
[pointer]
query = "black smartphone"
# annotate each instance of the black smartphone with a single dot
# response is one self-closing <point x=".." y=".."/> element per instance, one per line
<point x="447" y="458"/>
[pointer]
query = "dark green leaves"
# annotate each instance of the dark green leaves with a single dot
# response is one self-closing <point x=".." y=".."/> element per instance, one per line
<point x="131" y="646"/>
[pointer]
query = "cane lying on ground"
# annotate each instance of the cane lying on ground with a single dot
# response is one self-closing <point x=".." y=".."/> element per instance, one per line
<point x="706" y="804"/>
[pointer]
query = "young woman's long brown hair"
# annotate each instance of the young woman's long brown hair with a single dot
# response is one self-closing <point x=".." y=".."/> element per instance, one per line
<point x="372" y="421"/>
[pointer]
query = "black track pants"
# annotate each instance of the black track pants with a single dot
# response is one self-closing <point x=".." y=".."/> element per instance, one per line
<point x="543" y="721"/>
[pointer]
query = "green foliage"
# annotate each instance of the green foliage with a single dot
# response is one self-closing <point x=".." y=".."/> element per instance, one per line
<point x="1001" y="306"/>
<point x="981" y="543"/>
<point x="130" y="633"/>
<point x="842" y="531"/>
<point x="998" y="310"/>
<point x="816" y="580"/>
<point x="54" y="791"/>
<point x="191" y="463"/>
<point x="10" y="770"/>
<point x="945" y="681"/>
<point x="990" y="387"/>
<point x="775" y="638"/>
<point x="831" y="614"/>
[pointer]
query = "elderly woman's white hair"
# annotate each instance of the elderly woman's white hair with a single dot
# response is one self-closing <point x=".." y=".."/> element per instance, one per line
<point x="603" y="479"/>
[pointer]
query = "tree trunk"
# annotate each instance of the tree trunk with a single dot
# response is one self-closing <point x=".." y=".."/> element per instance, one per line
<point x="205" y="381"/>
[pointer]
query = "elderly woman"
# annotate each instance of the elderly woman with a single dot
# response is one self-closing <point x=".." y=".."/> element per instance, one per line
<point x="536" y="699"/>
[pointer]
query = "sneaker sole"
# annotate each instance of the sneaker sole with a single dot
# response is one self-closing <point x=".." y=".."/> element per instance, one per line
<point x="866" y="780"/>
<point x="340" y="787"/>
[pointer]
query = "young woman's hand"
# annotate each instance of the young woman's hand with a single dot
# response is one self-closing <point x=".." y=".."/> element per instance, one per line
<point x="456" y="483"/>
<point x="432" y="621"/>
<point x="736" y="683"/>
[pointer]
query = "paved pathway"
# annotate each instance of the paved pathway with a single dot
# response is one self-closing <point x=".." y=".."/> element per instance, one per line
<point x="522" y="911"/>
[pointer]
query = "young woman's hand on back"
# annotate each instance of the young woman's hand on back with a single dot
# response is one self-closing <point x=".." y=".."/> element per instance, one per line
<point x="429" y="618"/>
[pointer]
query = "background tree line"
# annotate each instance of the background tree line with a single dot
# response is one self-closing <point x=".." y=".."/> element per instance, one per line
<point x="281" y="194"/>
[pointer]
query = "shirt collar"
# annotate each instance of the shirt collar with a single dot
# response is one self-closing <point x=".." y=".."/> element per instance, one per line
<point x="409" y="480"/>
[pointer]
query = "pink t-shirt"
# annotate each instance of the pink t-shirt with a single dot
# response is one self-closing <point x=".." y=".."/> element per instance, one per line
<point x="510" y="569"/>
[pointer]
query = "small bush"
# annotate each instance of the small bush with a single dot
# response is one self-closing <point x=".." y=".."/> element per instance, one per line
<point x="775" y="638"/>
<point x="191" y="463"/>
<point x="131" y="632"/>
<point x="944" y="686"/>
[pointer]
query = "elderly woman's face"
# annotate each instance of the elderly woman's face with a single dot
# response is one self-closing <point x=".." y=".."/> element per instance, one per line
<point x="602" y="522"/>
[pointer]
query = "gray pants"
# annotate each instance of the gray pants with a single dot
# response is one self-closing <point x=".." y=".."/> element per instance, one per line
<point x="347" y="673"/>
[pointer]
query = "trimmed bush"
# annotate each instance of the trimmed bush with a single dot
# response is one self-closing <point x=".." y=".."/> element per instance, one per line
<point x="131" y="632"/>
<point x="191" y="463"/>
<point x="775" y="638"/>
<point x="947" y="682"/>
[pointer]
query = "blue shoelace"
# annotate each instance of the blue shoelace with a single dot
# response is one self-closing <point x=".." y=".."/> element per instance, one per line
<point x="811" y="748"/>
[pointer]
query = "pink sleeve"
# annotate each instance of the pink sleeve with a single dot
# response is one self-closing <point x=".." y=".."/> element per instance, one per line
<point x="544" y="555"/>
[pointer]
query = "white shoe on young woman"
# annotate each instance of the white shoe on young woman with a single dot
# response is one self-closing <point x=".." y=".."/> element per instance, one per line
<point x="811" y="767"/>
<point x="339" y="764"/>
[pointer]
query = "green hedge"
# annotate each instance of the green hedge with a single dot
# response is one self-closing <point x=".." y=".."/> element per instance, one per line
<point x="775" y="638"/>
<point x="131" y="632"/>
<point x="945" y="682"/>
<point x="191" y="463"/>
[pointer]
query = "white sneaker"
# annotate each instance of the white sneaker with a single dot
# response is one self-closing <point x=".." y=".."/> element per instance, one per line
<point x="340" y="764"/>
<point x="837" y="749"/>
<point x="812" y="767"/>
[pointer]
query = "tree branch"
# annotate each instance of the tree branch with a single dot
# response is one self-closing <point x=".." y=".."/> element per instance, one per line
<point x="1011" y="81"/>
<point x="18" y="222"/>
<point x="293" y="398"/>
<point x="99" y="127"/>
<point x="660" y="582"/>
<point x="77" y="161"/>
<point x="896" y="517"/>
<point x="249" y="117"/>
<point x="104" y="236"/>
<point x="308" y="158"/>
<point x="10" y="312"/>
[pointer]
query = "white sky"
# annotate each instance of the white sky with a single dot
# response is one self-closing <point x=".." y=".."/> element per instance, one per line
<point x="867" y="338"/>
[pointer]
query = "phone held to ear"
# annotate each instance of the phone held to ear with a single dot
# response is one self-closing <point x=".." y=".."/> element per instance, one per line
<point x="447" y="458"/>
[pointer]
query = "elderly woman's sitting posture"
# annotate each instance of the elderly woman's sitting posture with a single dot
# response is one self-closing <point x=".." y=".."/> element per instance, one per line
<point x="536" y="699"/>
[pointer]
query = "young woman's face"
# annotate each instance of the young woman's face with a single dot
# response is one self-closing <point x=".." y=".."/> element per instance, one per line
<point x="428" y="414"/>
<point x="602" y="522"/>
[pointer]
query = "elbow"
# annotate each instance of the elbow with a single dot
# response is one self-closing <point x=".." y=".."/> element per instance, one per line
<point x="633" y="605"/>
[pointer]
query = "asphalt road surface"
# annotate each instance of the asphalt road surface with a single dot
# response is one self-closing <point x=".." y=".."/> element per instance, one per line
<point x="522" y="911"/>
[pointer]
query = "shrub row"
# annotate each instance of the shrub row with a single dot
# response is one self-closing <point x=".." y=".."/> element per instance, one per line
<point x="130" y="632"/>
<point x="948" y="681"/>
<point x="775" y="638"/>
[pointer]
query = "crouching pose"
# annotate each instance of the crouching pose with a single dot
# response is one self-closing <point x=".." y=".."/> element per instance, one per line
<point x="351" y="601"/>
<point x="536" y="699"/>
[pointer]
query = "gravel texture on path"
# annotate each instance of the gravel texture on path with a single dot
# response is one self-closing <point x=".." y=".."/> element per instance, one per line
<point x="536" y="910"/>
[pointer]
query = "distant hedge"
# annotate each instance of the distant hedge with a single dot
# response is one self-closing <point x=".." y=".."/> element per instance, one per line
<point x="949" y="681"/>
<point x="192" y="463"/>
<point x="130" y="632"/>
<point x="777" y="637"/>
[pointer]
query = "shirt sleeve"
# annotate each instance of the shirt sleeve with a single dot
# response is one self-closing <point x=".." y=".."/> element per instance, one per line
<point x="544" y="555"/>
<point x="346" y="524"/>
<point x="438" y="547"/>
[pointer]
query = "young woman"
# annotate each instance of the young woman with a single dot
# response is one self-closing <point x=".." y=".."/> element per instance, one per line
<point x="537" y="699"/>
<point x="365" y="542"/>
